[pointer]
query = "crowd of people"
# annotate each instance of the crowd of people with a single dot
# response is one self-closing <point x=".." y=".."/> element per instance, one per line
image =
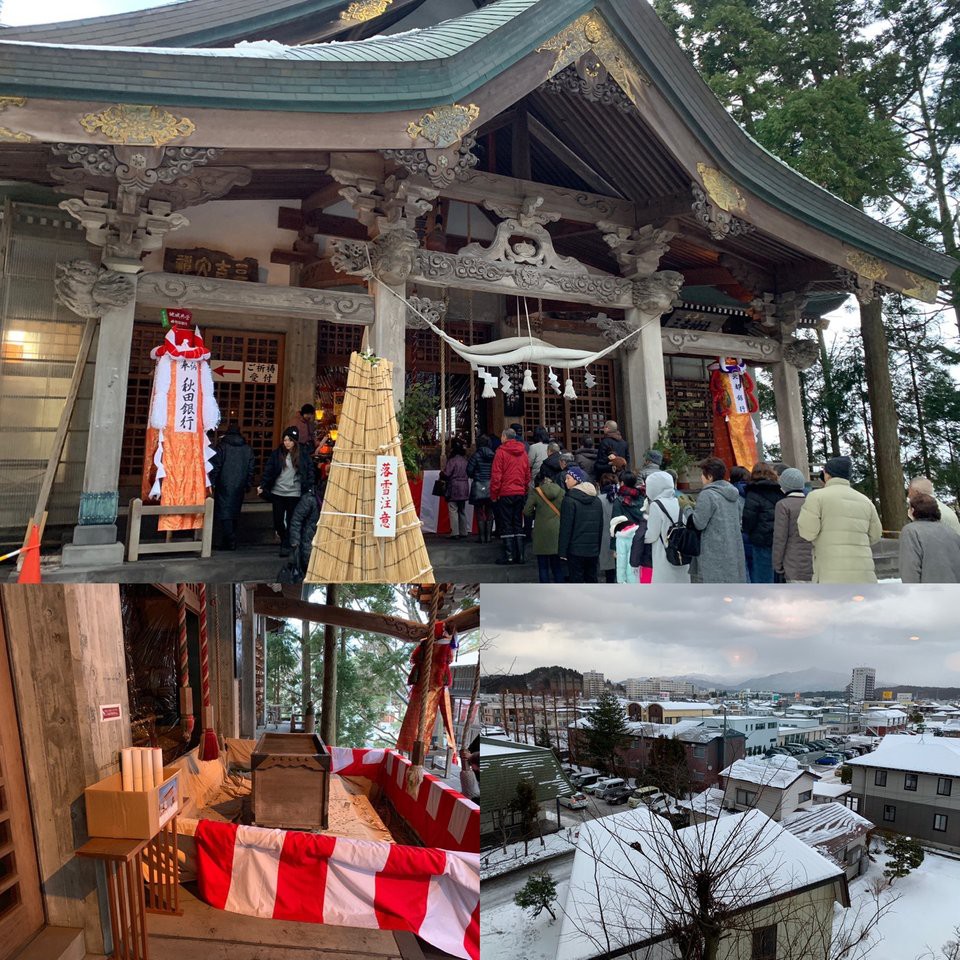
<point x="589" y="515"/>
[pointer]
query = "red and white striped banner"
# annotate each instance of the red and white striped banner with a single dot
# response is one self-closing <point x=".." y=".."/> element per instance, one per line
<point x="290" y="875"/>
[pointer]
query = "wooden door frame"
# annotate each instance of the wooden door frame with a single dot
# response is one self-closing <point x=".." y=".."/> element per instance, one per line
<point x="26" y="919"/>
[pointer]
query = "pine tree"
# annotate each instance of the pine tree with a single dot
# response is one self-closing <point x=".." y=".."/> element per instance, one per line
<point x="537" y="894"/>
<point x="525" y="804"/>
<point x="607" y="732"/>
<point x="903" y="856"/>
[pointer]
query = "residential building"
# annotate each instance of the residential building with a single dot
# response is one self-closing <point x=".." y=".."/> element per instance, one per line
<point x="862" y="683"/>
<point x="654" y="687"/>
<point x="592" y="683"/>
<point x="911" y="785"/>
<point x="786" y="890"/>
<point x="778" y="787"/>
<point x="673" y="711"/>
<point x="880" y="722"/>
<point x="835" y="832"/>
<point x="503" y="764"/>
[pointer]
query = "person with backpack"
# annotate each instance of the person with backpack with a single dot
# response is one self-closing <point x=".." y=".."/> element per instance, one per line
<point x="665" y="522"/>
<point x="543" y="505"/>
<point x="717" y="517"/>
<point x="762" y="496"/>
<point x="628" y="536"/>
<point x="613" y="454"/>
<point x="581" y="527"/>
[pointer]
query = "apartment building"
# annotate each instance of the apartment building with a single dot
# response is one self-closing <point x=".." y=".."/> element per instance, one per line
<point x="863" y="683"/>
<point x="592" y="683"/>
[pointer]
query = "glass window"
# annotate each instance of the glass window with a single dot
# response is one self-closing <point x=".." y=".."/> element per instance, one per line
<point x="806" y="795"/>
<point x="700" y="752"/>
<point x="944" y="786"/>
<point x="764" y="943"/>
<point x="909" y="781"/>
<point x="939" y="822"/>
<point x="889" y="812"/>
<point x="746" y="797"/>
<point x="880" y="778"/>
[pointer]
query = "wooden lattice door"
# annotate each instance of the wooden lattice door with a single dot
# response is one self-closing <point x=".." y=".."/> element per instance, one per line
<point x="21" y="906"/>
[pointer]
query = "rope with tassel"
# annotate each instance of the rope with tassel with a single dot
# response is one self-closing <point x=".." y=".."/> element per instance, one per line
<point x="186" y="694"/>
<point x="209" y="746"/>
<point x="415" y="776"/>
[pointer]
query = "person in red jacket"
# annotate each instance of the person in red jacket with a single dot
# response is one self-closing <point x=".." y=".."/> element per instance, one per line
<point x="509" y="481"/>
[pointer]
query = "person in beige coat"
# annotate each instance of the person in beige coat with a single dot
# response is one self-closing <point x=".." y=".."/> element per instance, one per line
<point x="792" y="556"/>
<point x="842" y="524"/>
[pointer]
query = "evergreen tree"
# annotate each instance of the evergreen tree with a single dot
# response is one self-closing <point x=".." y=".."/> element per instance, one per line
<point x="537" y="894"/>
<point x="607" y="732"/>
<point x="524" y="803"/>
<point x="903" y="856"/>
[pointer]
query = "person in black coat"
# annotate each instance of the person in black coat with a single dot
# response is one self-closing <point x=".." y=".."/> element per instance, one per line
<point x="612" y="448"/>
<point x="289" y="474"/>
<point x="479" y="467"/>
<point x="581" y="527"/>
<point x="303" y="527"/>
<point x="231" y="475"/>
<point x="763" y="493"/>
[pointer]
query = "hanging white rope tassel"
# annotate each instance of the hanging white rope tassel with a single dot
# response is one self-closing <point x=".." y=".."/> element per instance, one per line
<point x="589" y="379"/>
<point x="528" y="385"/>
<point x="489" y="384"/>
<point x="505" y="385"/>
<point x="568" y="390"/>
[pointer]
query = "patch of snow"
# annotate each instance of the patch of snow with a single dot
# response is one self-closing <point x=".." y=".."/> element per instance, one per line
<point x="507" y="932"/>
<point x="500" y="861"/>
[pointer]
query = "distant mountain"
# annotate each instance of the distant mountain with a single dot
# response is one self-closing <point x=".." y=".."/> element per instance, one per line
<point x="560" y="681"/>
<point x="796" y="681"/>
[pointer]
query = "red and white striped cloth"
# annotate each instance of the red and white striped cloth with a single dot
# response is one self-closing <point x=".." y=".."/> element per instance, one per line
<point x="290" y="875"/>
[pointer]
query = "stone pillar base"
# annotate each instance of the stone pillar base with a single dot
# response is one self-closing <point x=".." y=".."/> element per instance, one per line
<point x="93" y="546"/>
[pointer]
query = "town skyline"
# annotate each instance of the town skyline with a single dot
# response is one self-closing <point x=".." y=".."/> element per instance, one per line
<point x="728" y="632"/>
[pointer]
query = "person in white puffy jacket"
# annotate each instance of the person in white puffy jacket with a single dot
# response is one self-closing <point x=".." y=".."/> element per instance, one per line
<point x="663" y="510"/>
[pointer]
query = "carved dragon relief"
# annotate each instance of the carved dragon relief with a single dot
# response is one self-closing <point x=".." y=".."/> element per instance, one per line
<point x="90" y="290"/>
<point x="718" y="222"/>
<point x="434" y="310"/>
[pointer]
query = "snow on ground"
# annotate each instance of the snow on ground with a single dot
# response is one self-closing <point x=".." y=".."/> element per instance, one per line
<point x="497" y="862"/>
<point x="507" y="932"/>
<point x="923" y="919"/>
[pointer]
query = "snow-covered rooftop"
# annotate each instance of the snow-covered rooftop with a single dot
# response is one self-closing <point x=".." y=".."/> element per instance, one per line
<point x="831" y="788"/>
<point x="826" y="825"/>
<point x="624" y="857"/>
<point x="884" y="713"/>
<point x="924" y="754"/>
<point x="709" y="803"/>
<point x="777" y="772"/>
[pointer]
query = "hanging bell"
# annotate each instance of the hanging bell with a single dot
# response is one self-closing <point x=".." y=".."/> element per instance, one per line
<point x="590" y="380"/>
<point x="505" y="385"/>
<point x="568" y="390"/>
<point x="528" y="385"/>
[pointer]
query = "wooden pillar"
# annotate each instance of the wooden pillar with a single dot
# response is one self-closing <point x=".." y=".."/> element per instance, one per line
<point x="223" y="667"/>
<point x="644" y="386"/>
<point x="299" y="366"/>
<point x="388" y="335"/>
<point x="328" y="710"/>
<point x="67" y="659"/>
<point x="247" y="668"/>
<point x="786" y="392"/>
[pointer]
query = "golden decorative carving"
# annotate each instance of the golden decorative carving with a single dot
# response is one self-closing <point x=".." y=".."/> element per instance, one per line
<point x="721" y="189"/>
<point x="365" y="10"/>
<point x="922" y="288"/>
<point x="866" y="265"/>
<point x="135" y="125"/>
<point x="12" y="102"/>
<point x="444" y="126"/>
<point x="6" y="134"/>
<point x="590" y="34"/>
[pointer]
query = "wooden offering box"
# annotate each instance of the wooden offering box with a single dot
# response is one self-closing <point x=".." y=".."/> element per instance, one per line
<point x="291" y="781"/>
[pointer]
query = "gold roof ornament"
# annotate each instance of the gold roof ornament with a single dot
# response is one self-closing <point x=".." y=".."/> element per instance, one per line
<point x="721" y="189"/>
<point x="136" y="125"/>
<point x="922" y="288"/>
<point x="866" y="265"/>
<point x="364" y="10"/>
<point x="444" y="126"/>
<point x="6" y="134"/>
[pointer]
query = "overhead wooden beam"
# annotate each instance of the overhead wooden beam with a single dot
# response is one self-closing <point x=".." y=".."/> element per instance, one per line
<point x="593" y="179"/>
<point x="498" y="122"/>
<point x="520" y="145"/>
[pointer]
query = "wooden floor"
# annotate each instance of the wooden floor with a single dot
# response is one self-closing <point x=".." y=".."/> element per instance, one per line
<point x="203" y="933"/>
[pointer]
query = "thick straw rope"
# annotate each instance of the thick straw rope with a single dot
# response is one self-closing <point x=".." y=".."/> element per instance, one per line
<point x="415" y="776"/>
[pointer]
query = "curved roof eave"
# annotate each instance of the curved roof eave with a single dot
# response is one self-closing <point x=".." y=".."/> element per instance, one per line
<point x="186" y="23"/>
<point x="439" y="64"/>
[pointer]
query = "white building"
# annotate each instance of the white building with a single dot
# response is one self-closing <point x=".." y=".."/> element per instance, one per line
<point x="760" y="732"/>
<point x="592" y="683"/>
<point x="863" y="683"/>
<point x="653" y="688"/>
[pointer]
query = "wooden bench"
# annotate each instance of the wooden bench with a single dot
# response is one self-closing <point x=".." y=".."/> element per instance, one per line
<point x="139" y="510"/>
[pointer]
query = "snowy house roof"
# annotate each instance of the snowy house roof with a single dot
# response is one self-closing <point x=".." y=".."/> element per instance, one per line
<point x="831" y="788"/>
<point x="632" y="856"/>
<point x="709" y="803"/>
<point x="777" y="772"/>
<point x="828" y="827"/>
<point x="937" y="755"/>
<point x="503" y="763"/>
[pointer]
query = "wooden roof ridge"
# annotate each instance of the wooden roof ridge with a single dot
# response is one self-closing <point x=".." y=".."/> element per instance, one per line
<point x="195" y="23"/>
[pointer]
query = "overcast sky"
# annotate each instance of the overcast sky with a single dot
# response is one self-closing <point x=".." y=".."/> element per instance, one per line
<point x="16" y="12"/>
<point x="650" y="631"/>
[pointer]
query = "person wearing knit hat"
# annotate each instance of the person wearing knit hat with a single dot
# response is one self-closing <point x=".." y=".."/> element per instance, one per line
<point x="652" y="462"/>
<point x="581" y="527"/>
<point x="792" y="555"/>
<point x="842" y="524"/>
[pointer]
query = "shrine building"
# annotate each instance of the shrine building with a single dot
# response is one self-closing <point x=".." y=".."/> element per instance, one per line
<point x="298" y="174"/>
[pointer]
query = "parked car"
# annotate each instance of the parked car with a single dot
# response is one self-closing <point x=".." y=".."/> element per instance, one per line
<point x="640" y="796"/>
<point x="827" y="761"/>
<point x="584" y="780"/>
<point x="597" y="786"/>
<point x="577" y="801"/>
<point x="618" y="795"/>
<point x="609" y="786"/>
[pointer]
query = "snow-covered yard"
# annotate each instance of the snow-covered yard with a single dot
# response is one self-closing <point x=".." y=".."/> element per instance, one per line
<point x="497" y="862"/>
<point x="507" y="932"/>
<point x="923" y="919"/>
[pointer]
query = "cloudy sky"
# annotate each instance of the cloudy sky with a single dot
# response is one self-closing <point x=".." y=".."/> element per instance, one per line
<point x="734" y="633"/>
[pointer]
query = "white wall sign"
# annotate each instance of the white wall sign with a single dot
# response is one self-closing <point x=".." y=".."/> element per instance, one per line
<point x="385" y="501"/>
<point x="260" y="372"/>
<point x="110" y="711"/>
<point x="226" y="372"/>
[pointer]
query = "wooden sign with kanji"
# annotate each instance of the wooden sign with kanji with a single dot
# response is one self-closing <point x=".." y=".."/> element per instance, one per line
<point x="201" y="262"/>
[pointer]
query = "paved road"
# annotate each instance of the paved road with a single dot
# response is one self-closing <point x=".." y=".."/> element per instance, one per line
<point x="500" y="890"/>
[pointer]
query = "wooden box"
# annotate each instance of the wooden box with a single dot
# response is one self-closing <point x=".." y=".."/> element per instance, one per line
<point x="131" y="814"/>
<point x="291" y="781"/>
